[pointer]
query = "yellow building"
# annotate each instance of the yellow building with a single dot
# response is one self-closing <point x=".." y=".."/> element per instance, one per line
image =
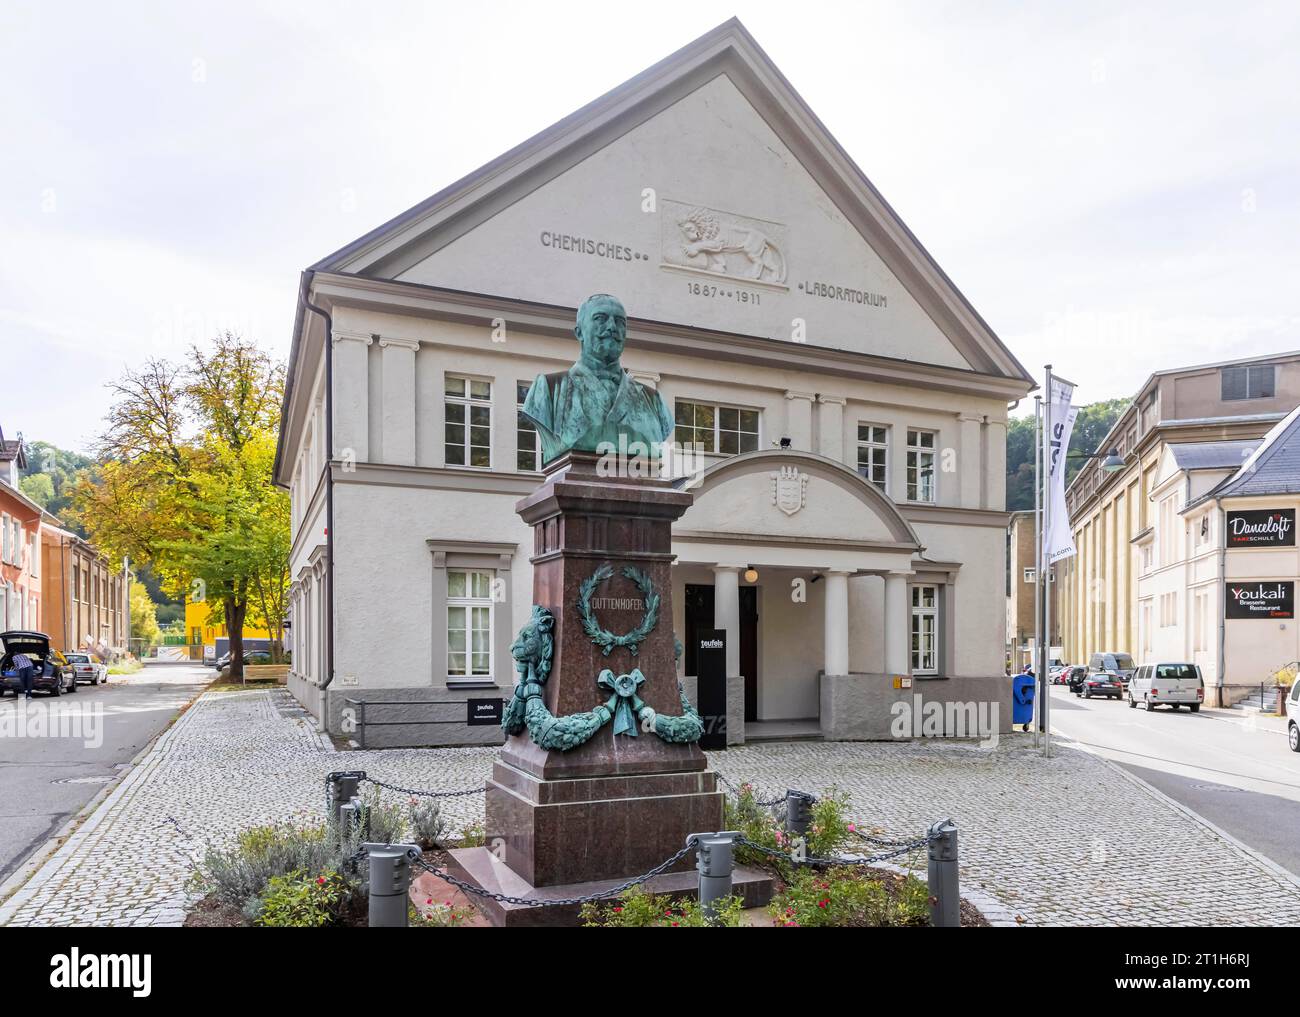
<point x="213" y="637"/>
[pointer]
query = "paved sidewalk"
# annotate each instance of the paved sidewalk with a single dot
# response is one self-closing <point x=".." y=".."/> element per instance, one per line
<point x="1067" y="841"/>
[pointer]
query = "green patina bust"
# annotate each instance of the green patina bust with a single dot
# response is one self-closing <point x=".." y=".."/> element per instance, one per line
<point x="596" y="401"/>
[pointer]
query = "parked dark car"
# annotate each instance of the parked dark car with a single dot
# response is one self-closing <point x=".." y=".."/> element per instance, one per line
<point x="1103" y="683"/>
<point x="53" y="672"/>
<point x="251" y="657"/>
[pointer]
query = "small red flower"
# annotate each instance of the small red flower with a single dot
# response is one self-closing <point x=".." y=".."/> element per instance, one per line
<point x="823" y="903"/>
<point x="618" y="911"/>
<point x="320" y="879"/>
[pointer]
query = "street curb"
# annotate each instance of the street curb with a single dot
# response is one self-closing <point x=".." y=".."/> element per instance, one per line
<point x="12" y="888"/>
<point x="1263" y="860"/>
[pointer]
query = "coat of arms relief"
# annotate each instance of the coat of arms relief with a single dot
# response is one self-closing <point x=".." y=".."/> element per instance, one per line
<point x="723" y="244"/>
<point x="789" y="489"/>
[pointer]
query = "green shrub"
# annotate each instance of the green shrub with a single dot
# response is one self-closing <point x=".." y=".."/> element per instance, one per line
<point x="385" y="824"/>
<point x="424" y="816"/>
<point x="242" y="872"/>
<point x="643" y="910"/>
<point x="438" y="916"/>
<point x="846" y="897"/>
<point x="298" y="900"/>
<point x="473" y="834"/>
<point x="829" y="830"/>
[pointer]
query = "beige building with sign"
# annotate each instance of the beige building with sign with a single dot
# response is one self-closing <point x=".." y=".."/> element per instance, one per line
<point x="1219" y="564"/>
<point x="1128" y="588"/>
<point x="848" y="526"/>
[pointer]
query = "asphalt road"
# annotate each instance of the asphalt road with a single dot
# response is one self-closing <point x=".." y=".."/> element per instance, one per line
<point x="1236" y="772"/>
<point x="57" y="754"/>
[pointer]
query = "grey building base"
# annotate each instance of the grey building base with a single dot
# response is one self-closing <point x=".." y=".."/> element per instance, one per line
<point x="865" y="707"/>
<point x="392" y="718"/>
<point x="735" y="709"/>
<point x="307" y="693"/>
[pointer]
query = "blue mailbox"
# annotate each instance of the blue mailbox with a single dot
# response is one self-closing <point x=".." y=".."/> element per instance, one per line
<point x="1022" y="699"/>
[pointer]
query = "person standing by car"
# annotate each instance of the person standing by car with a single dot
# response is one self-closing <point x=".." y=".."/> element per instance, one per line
<point x="23" y="665"/>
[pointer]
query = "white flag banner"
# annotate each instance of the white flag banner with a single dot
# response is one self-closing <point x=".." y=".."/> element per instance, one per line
<point x="1059" y="540"/>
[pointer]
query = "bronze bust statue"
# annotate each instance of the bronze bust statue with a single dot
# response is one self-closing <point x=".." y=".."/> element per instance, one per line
<point x="596" y="401"/>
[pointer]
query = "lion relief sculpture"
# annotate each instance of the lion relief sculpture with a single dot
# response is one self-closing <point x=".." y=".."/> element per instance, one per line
<point x="708" y="238"/>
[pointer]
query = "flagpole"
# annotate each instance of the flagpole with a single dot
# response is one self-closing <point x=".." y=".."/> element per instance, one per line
<point x="1038" y="532"/>
<point x="1044" y="575"/>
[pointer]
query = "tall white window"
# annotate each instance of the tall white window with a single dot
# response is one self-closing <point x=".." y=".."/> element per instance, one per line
<point x="4" y="538"/>
<point x="725" y="429"/>
<point x="920" y="465"/>
<point x="925" y="630"/>
<point x="528" y="455"/>
<point x="469" y="625"/>
<point x="873" y="454"/>
<point x="467" y="419"/>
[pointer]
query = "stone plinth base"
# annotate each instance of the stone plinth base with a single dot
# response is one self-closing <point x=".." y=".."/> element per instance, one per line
<point x="860" y="706"/>
<point x="480" y="867"/>
<point x="596" y="828"/>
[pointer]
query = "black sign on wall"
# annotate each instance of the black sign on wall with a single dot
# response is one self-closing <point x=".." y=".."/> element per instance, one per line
<point x="1262" y="528"/>
<point x="482" y="712"/>
<point x="1259" y="600"/>
<point x="711" y="686"/>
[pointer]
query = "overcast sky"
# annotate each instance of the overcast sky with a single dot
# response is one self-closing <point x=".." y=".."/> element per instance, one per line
<point x="1115" y="187"/>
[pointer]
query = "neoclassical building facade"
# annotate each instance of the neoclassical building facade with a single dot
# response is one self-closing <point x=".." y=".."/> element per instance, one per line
<point x="847" y="404"/>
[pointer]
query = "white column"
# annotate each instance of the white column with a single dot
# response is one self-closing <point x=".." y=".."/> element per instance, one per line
<point x="970" y="465"/>
<point x="995" y="462"/>
<point x="798" y="420"/>
<point x="836" y="611"/>
<point x="898" y="625"/>
<point x="351" y="396"/>
<point x="726" y="611"/>
<point x="830" y="428"/>
<point x="397" y="414"/>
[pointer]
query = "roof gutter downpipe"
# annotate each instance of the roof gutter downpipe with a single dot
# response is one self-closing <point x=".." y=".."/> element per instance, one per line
<point x="307" y="278"/>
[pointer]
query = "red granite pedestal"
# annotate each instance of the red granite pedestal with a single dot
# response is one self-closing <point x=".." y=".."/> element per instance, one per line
<point x="562" y="824"/>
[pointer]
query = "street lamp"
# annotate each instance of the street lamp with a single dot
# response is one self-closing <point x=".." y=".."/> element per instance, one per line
<point x="1111" y="460"/>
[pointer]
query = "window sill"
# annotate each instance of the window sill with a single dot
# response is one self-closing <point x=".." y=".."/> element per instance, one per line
<point x="452" y="683"/>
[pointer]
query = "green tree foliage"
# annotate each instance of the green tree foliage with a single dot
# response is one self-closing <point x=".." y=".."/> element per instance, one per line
<point x="50" y="476"/>
<point x="144" y="617"/>
<point x="185" y="484"/>
<point x="39" y="488"/>
<point x="1090" y="428"/>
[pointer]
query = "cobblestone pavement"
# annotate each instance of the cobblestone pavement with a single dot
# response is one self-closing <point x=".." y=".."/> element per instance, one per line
<point x="1068" y="841"/>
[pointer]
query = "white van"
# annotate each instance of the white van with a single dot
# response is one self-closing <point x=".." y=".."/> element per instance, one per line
<point x="1172" y="685"/>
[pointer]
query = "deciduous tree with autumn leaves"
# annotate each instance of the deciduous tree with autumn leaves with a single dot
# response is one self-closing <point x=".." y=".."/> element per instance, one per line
<point x="184" y="483"/>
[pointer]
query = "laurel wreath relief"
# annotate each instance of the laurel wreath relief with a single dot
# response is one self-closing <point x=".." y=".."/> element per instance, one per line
<point x="602" y="637"/>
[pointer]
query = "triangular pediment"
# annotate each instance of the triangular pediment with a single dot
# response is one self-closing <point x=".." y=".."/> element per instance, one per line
<point x="703" y="193"/>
